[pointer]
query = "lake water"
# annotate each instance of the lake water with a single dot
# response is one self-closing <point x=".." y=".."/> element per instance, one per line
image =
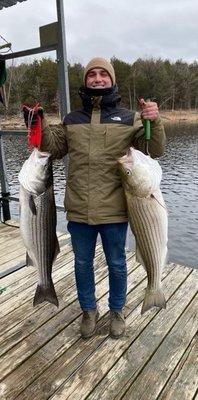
<point x="179" y="187"/>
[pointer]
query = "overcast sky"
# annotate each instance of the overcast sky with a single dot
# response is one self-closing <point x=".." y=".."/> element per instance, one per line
<point x="126" y="29"/>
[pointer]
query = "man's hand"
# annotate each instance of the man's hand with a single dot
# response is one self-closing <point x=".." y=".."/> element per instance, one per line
<point x="31" y="115"/>
<point x="149" y="110"/>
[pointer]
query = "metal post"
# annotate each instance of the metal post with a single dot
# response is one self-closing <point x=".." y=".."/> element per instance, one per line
<point x="62" y="62"/>
<point x="4" y="184"/>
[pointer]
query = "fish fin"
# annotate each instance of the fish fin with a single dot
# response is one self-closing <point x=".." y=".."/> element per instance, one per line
<point x="29" y="261"/>
<point x="32" y="205"/>
<point x="153" y="298"/>
<point x="45" y="294"/>
<point x="157" y="196"/>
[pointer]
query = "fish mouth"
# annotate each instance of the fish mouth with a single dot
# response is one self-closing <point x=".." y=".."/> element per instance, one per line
<point x="122" y="159"/>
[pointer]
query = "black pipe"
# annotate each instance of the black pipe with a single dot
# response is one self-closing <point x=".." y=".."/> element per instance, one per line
<point x="5" y="206"/>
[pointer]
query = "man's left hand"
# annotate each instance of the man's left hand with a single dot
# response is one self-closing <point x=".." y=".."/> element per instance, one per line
<point x="149" y="110"/>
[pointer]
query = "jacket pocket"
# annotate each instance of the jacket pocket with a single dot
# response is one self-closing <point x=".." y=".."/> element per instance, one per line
<point x="118" y="139"/>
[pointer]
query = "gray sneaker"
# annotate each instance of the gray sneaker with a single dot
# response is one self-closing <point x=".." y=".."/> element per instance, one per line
<point x="88" y="324"/>
<point x="117" y="324"/>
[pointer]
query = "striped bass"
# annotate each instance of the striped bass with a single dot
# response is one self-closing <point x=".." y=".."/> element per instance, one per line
<point x="38" y="221"/>
<point x="141" y="177"/>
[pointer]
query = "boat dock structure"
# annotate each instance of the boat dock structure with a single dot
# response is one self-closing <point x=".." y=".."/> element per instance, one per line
<point x="42" y="355"/>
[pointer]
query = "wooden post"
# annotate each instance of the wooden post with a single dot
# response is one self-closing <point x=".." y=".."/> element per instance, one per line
<point x="62" y="62"/>
<point x="4" y="184"/>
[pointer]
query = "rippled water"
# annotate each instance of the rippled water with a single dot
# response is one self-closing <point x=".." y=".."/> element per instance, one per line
<point x="179" y="187"/>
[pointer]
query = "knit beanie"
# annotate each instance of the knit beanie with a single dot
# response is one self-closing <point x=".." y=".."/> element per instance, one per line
<point x="99" y="62"/>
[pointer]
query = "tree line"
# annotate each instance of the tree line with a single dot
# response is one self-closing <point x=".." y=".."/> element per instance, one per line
<point x="174" y="85"/>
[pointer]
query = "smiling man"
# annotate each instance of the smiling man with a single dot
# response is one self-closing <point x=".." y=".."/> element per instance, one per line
<point x="98" y="78"/>
<point x="95" y="137"/>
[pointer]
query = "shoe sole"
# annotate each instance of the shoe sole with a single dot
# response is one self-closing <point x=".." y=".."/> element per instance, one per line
<point x="118" y="336"/>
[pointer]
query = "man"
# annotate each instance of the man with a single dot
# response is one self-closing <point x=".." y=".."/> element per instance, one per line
<point x="95" y="137"/>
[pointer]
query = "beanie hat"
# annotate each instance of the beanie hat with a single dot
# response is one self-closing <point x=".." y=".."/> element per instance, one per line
<point x="99" y="62"/>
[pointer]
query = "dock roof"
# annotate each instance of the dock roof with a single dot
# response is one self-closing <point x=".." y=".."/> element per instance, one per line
<point x="9" y="3"/>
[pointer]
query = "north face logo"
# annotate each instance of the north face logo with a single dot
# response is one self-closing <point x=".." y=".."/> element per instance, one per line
<point x="116" y="118"/>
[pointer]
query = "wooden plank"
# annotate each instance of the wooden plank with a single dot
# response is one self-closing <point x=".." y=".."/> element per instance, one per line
<point x="62" y="268"/>
<point x="16" y="279"/>
<point x="11" y="270"/>
<point x="8" y="228"/>
<point x="73" y="358"/>
<point x="16" y="224"/>
<point x="11" y="223"/>
<point x="27" y="319"/>
<point x="16" y="256"/>
<point x="31" y="279"/>
<point x="17" y="276"/>
<point x="27" y="292"/>
<point x="11" y="263"/>
<point x="138" y="346"/>
<point x="8" y="248"/>
<point x="125" y="371"/>
<point x="184" y="381"/>
<point x="54" y="325"/>
<point x="26" y="311"/>
<point x="53" y="349"/>
<point x="8" y="235"/>
<point x="11" y="260"/>
<point x="69" y="335"/>
<point x="27" y="270"/>
<point x="158" y="370"/>
<point x="6" y="258"/>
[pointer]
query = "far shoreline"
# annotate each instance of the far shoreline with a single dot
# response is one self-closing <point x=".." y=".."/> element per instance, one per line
<point x="179" y="116"/>
<point x="15" y="122"/>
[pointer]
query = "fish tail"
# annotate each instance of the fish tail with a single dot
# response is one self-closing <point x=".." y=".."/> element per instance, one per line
<point x="45" y="294"/>
<point x="153" y="298"/>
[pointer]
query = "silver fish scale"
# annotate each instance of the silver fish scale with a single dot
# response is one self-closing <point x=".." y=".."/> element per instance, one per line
<point x="43" y="228"/>
<point x="38" y="221"/>
<point x="141" y="177"/>
<point x="149" y="224"/>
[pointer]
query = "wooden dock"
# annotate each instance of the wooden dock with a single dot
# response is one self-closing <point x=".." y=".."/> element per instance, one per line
<point x="43" y="357"/>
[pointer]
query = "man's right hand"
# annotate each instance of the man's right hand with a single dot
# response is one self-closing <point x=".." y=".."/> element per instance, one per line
<point x="31" y="115"/>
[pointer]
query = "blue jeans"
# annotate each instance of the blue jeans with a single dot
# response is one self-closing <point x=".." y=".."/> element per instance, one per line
<point x="83" y="238"/>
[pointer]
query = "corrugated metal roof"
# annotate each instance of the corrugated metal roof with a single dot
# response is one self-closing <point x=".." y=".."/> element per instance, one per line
<point x="9" y="3"/>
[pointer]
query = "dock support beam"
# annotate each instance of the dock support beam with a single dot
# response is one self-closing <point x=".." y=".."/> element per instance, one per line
<point x="62" y="62"/>
<point x="4" y="184"/>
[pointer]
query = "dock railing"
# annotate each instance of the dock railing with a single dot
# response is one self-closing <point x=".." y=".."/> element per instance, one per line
<point x="52" y="38"/>
<point x="52" y="43"/>
<point x="5" y="196"/>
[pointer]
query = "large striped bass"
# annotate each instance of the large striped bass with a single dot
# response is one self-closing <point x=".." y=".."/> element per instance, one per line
<point x="141" y="177"/>
<point x="38" y="221"/>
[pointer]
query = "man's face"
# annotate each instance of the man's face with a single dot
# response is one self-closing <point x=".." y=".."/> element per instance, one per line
<point x="98" y="78"/>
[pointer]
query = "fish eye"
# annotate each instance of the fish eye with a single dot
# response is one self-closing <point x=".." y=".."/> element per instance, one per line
<point x="128" y="172"/>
